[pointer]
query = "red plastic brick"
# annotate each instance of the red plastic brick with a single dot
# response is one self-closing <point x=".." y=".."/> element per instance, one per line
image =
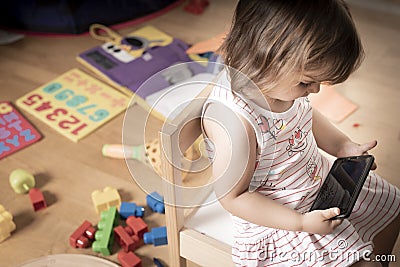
<point x="138" y="226"/>
<point x="129" y="259"/>
<point x="83" y="236"/>
<point x="197" y="6"/>
<point x="37" y="199"/>
<point x="127" y="241"/>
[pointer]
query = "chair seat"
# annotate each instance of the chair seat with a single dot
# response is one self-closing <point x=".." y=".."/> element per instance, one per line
<point x="212" y="220"/>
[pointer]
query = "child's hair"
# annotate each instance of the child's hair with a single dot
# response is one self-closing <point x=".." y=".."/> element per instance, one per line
<point x="275" y="41"/>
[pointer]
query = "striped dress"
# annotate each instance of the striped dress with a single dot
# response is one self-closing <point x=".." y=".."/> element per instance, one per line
<point x="290" y="169"/>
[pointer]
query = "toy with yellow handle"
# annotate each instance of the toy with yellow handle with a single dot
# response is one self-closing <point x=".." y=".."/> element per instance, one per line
<point x="134" y="44"/>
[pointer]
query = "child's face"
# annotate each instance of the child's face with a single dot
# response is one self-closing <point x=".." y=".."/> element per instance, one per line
<point x="290" y="93"/>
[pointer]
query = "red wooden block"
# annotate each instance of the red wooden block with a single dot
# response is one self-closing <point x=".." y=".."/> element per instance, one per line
<point x="37" y="199"/>
<point x="129" y="259"/>
<point x="137" y="225"/>
<point x="127" y="241"/>
<point x="83" y="236"/>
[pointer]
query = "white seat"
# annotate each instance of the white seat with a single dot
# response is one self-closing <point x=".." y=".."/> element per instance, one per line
<point x="212" y="220"/>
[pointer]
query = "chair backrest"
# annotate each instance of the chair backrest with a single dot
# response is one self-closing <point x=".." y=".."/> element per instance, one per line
<point x="176" y="137"/>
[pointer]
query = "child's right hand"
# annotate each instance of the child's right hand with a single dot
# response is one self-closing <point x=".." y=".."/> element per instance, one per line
<point x="318" y="221"/>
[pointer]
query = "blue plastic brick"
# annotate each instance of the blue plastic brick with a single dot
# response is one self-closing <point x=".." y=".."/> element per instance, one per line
<point x="156" y="202"/>
<point x="157" y="236"/>
<point x="157" y="262"/>
<point x="130" y="209"/>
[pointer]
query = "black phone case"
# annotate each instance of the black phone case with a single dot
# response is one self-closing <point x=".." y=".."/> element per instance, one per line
<point x="330" y="187"/>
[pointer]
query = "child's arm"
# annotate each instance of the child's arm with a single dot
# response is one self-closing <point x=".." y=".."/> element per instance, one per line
<point x="233" y="167"/>
<point x="333" y="141"/>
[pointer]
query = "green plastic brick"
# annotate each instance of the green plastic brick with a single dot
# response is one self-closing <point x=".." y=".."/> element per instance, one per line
<point x="105" y="235"/>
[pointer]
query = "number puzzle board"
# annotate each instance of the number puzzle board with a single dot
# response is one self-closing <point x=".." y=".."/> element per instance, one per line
<point x="74" y="104"/>
<point x="15" y="131"/>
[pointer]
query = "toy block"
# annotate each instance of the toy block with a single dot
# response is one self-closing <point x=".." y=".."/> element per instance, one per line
<point x="103" y="200"/>
<point x="83" y="236"/>
<point x="136" y="226"/>
<point x="21" y="181"/>
<point x="157" y="262"/>
<point x="126" y="241"/>
<point x="104" y="236"/>
<point x="156" y="202"/>
<point x="129" y="259"/>
<point x="130" y="209"/>
<point x="157" y="236"/>
<point x="6" y="224"/>
<point x="37" y="199"/>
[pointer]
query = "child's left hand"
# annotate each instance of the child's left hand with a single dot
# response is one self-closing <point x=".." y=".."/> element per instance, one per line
<point x="350" y="148"/>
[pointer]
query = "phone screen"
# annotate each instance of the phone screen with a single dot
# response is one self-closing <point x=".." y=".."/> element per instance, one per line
<point x="343" y="183"/>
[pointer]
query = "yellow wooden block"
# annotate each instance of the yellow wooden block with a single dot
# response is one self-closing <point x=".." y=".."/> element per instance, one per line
<point x="6" y="224"/>
<point x="103" y="200"/>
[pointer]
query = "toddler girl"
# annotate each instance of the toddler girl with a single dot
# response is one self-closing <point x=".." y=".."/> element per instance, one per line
<point x="264" y="143"/>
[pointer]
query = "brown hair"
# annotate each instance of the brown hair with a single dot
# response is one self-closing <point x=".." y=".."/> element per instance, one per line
<point x="275" y="41"/>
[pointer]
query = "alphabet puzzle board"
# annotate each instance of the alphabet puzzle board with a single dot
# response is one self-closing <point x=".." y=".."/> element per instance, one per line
<point x="74" y="104"/>
<point x="15" y="131"/>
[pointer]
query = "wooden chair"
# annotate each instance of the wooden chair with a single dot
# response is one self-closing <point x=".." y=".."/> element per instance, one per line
<point x="186" y="244"/>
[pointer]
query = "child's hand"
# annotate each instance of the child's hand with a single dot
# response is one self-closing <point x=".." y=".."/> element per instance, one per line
<point x="350" y="149"/>
<point x="317" y="221"/>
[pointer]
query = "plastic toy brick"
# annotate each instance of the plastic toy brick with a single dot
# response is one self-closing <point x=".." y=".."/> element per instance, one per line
<point x="157" y="236"/>
<point x="21" y="181"/>
<point x="105" y="234"/>
<point x="6" y="224"/>
<point x="125" y="240"/>
<point x="83" y="236"/>
<point x="156" y="202"/>
<point x="157" y="262"/>
<point x="136" y="226"/>
<point x="130" y="209"/>
<point x="37" y="199"/>
<point x="197" y="6"/>
<point x="103" y="200"/>
<point x="129" y="259"/>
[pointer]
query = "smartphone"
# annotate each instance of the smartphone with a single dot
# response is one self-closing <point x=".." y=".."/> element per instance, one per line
<point x="343" y="184"/>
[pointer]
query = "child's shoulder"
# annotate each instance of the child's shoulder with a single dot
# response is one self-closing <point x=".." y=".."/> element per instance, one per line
<point x="220" y="119"/>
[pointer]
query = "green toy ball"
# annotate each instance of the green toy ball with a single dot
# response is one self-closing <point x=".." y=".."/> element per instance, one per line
<point x="21" y="181"/>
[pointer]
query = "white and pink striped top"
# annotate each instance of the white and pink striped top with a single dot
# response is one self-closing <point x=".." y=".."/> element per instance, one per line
<point x="291" y="170"/>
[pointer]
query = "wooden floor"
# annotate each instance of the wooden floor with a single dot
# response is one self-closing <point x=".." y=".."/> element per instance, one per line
<point x="69" y="172"/>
